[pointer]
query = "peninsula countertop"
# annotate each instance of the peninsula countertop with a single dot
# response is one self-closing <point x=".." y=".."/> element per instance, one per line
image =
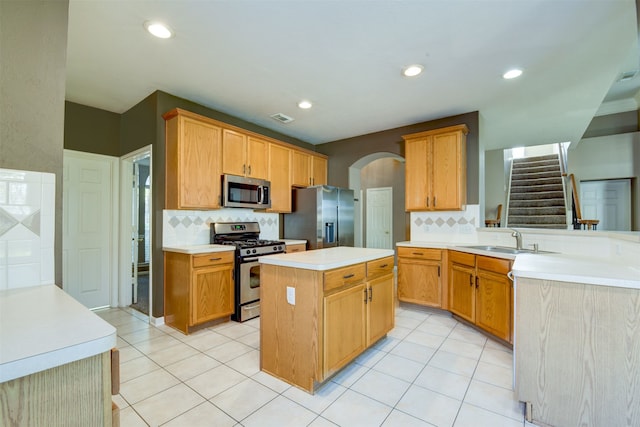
<point x="326" y="259"/>
<point x="198" y="249"/>
<point x="42" y="327"/>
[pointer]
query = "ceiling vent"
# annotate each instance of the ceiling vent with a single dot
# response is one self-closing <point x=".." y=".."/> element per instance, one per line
<point x="282" y="118"/>
<point x="627" y="75"/>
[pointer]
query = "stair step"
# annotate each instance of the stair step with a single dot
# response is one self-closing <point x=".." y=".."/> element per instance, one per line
<point x="537" y="174"/>
<point x="546" y="226"/>
<point x="518" y="182"/>
<point x="536" y="211"/>
<point x="529" y="203"/>
<point x="523" y="169"/>
<point x="540" y="219"/>
<point x="529" y="189"/>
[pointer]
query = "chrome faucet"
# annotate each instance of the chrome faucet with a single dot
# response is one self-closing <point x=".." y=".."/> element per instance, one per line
<point x="518" y="237"/>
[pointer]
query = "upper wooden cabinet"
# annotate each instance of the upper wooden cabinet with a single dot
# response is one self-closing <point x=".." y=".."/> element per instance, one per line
<point x="244" y="155"/>
<point x="308" y="169"/>
<point x="435" y="170"/>
<point x="193" y="161"/>
<point x="280" y="178"/>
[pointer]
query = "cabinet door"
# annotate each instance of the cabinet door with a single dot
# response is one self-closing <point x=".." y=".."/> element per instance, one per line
<point x="344" y="327"/>
<point x="493" y="304"/>
<point x="211" y="293"/>
<point x="417" y="184"/>
<point x="234" y="149"/>
<point x="419" y="282"/>
<point x="380" y="308"/>
<point x="257" y="158"/>
<point x="300" y="168"/>
<point x="198" y="172"/>
<point x="319" y="170"/>
<point x="447" y="172"/>
<point x="280" y="178"/>
<point x="462" y="291"/>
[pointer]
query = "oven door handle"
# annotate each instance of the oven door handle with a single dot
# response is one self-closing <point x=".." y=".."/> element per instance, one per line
<point x="250" y="259"/>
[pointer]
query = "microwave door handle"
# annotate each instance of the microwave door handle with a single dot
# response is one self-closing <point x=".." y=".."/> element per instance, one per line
<point x="260" y="194"/>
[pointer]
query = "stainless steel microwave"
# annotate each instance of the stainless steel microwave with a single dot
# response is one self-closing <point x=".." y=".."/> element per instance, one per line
<point x="242" y="192"/>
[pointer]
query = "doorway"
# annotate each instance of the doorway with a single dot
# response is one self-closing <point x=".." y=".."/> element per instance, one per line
<point x="136" y="190"/>
<point x="379" y="218"/>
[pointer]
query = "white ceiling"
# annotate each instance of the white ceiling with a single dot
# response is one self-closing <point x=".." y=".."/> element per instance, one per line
<point x="252" y="59"/>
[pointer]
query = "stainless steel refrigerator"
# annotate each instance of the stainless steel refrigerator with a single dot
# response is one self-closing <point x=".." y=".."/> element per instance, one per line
<point x="322" y="215"/>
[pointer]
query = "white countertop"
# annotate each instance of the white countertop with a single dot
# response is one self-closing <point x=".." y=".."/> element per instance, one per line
<point x="557" y="266"/>
<point x="198" y="249"/>
<point x="42" y="327"/>
<point x="326" y="259"/>
<point x="574" y="269"/>
<point x="293" y="241"/>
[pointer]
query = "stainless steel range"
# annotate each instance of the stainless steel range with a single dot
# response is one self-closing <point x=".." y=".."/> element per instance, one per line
<point x="245" y="236"/>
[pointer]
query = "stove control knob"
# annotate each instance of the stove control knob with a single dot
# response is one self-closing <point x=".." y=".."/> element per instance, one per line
<point x="254" y="251"/>
<point x="248" y="251"/>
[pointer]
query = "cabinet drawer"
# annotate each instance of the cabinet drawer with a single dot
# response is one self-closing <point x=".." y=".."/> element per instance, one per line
<point x="420" y="253"/>
<point x="344" y="276"/>
<point x="462" y="258"/>
<point x="497" y="265"/>
<point x="379" y="267"/>
<point x="298" y="247"/>
<point x="213" y="258"/>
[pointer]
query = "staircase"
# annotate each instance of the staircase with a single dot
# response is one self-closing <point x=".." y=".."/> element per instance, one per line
<point x="536" y="196"/>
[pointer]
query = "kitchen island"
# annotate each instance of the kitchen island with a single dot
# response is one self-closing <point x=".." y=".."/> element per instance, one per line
<point x="55" y="360"/>
<point x="320" y="309"/>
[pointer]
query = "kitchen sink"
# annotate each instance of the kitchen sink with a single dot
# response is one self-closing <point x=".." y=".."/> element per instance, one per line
<point x="506" y="250"/>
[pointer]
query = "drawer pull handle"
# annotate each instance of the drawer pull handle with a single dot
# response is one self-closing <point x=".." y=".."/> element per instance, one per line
<point x="348" y="276"/>
<point x="384" y="265"/>
<point x="215" y="259"/>
<point x="418" y="253"/>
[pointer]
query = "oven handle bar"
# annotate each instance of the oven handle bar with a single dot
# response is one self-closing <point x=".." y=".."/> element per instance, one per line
<point x="249" y="259"/>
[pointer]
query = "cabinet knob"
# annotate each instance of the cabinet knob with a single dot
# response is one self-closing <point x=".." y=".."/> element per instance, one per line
<point x="348" y="276"/>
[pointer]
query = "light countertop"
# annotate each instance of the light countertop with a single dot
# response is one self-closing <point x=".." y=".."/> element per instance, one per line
<point x="556" y="266"/>
<point x="42" y="327"/>
<point x="293" y="241"/>
<point x="198" y="249"/>
<point x="326" y="259"/>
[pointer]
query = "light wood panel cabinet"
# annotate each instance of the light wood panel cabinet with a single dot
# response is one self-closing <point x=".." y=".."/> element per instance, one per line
<point x="315" y="322"/>
<point x="197" y="288"/>
<point x="244" y="155"/>
<point x="419" y="276"/>
<point x="435" y="170"/>
<point x="193" y="166"/>
<point x="298" y="247"/>
<point x="308" y="169"/>
<point x="280" y="178"/>
<point x="481" y="293"/>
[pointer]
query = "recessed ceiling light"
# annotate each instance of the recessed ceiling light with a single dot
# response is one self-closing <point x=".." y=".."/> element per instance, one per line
<point x="412" y="70"/>
<point x="305" y="105"/>
<point x="512" y="74"/>
<point x="158" y="29"/>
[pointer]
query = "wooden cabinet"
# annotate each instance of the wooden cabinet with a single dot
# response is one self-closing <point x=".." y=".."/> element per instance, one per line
<point x="419" y="276"/>
<point x="435" y="169"/>
<point x="315" y="322"/>
<point x="198" y="288"/>
<point x="298" y="247"/>
<point x="481" y="293"/>
<point x="280" y="178"/>
<point x="244" y="155"/>
<point x="308" y="169"/>
<point x="193" y="166"/>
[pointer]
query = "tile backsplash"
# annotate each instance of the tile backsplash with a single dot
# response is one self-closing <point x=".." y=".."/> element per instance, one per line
<point x="183" y="227"/>
<point x="445" y="225"/>
<point x="27" y="228"/>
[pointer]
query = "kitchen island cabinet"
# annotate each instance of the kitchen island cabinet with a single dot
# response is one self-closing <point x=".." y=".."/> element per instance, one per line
<point x="198" y="285"/>
<point x="55" y="360"/>
<point x="320" y="309"/>
<point x="420" y="276"/>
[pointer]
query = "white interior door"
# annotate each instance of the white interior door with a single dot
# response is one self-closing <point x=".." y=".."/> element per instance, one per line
<point x="89" y="182"/>
<point x="608" y="201"/>
<point x="379" y="218"/>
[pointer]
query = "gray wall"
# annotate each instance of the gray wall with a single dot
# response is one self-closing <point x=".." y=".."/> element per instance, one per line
<point x="33" y="36"/>
<point x="344" y="153"/>
<point x="91" y="130"/>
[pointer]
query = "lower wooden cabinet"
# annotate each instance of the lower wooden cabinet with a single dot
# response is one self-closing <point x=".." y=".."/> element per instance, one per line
<point x="481" y="293"/>
<point x="298" y="247"/>
<point x="419" y="276"/>
<point x="197" y="288"/>
<point x="313" y="323"/>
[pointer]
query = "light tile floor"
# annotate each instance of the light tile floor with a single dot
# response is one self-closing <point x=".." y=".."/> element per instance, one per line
<point x="430" y="370"/>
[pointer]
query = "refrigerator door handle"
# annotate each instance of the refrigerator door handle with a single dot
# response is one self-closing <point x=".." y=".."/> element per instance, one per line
<point x="330" y="232"/>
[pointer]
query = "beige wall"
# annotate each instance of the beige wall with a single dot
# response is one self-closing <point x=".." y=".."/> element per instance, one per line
<point x="33" y="36"/>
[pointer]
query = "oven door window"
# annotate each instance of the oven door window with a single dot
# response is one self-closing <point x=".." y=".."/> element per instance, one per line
<point x="254" y="277"/>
